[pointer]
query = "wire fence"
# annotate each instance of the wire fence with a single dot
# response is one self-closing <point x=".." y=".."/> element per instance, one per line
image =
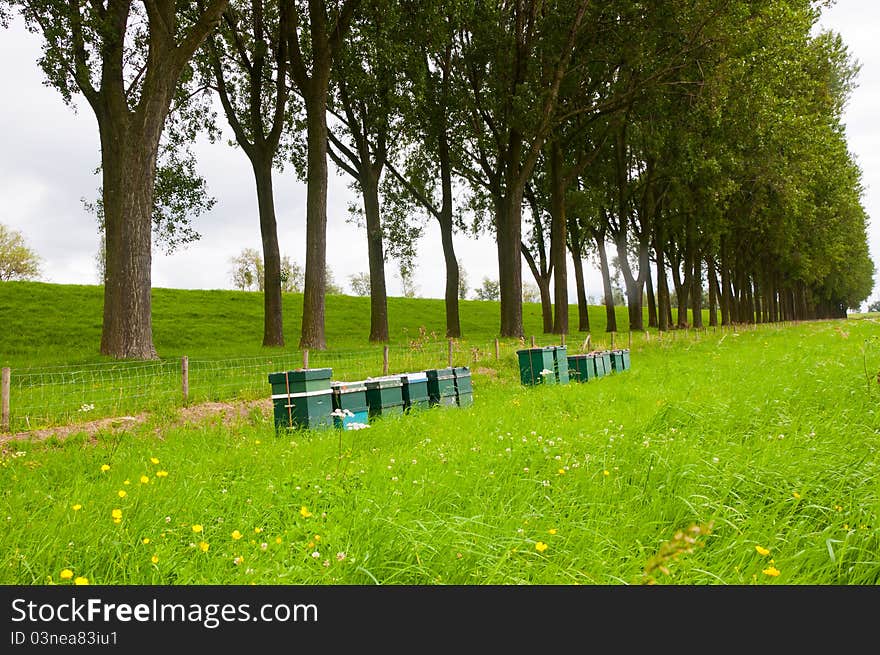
<point x="35" y="398"/>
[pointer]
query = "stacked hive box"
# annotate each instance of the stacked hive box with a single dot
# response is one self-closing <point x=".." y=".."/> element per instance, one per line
<point x="302" y="398"/>
<point x="385" y="396"/>
<point x="464" y="392"/>
<point x="415" y="390"/>
<point x="620" y="360"/>
<point x="441" y="386"/>
<point x="582" y="368"/>
<point x="349" y="400"/>
<point x="536" y="365"/>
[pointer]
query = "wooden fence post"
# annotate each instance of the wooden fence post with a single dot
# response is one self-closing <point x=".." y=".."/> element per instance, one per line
<point x="630" y="344"/>
<point x="184" y="374"/>
<point x="563" y="339"/>
<point x="450" y="353"/>
<point x="533" y="341"/>
<point x="305" y="357"/>
<point x="385" y="360"/>
<point x="612" y="341"/>
<point x="4" y="413"/>
<point x="497" y="350"/>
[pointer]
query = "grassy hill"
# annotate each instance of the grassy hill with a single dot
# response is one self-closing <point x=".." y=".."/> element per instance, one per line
<point x="48" y="324"/>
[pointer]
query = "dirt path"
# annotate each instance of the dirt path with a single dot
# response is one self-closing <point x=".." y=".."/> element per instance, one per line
<point x="230" y="412"/>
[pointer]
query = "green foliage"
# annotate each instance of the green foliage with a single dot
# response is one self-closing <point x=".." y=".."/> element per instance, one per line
<point x="488" y="290"/>
<point x="360" y="284"/>
<point x="17" y="260"/>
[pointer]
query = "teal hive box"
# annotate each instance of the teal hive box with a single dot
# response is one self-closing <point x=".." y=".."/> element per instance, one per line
<point x="620" y="360"/>
<point x="302" y="398"/>
<point x="581" y="368"/>
<point x="384" y="396"/>
<point x="602" y="360"/>
<point x="532" y="361"/>
<point x="415" y="390"/>
<point x="349" y="400"/>
<point x="464" y="390"/>
<point x="560" y="364"/>
<point x="441" y="386"/>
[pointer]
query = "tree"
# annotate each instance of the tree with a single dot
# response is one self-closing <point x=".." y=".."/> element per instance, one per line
<point x="128" y="61"/>
<point x="245" y="61"/>
<point x="488" y="290"/>
<point x="407" y="282"/>
<point x="314" y="41"/>
<point x="17" y="260"/>
<point x="247" y="270"/>
<point x="360" y="284"/>
<point x="332" y="289"/>
<point x="531" y="292"/>
<point x="874" y="306"/>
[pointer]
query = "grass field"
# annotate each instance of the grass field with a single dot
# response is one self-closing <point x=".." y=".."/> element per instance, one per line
<point x="743" y="457"/>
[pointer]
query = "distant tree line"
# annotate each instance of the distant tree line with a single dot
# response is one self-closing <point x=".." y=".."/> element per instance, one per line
<point x="700" y="142"/>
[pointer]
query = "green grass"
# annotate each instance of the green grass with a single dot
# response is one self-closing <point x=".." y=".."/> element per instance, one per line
<point x="760" y="438"/>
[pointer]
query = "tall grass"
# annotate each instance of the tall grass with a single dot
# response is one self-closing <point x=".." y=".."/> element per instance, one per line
<point x="735" y="458"/>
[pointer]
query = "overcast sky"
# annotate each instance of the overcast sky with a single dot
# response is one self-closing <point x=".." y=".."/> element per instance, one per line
<point x="50" y="152"/>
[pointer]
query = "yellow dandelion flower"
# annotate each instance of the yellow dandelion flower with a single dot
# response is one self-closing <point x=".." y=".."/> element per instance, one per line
<point x="551" y="531"/>
<point x="66" y="574"/>
<point x="317" y="537"/>
<point x="126" y="482"/>
<point x="277" y="540"/>
<point x="303" y="512"/>
<point x="561" y="471"/>
<point x="606" y="473"/>
<point x="771" y="571"/>
<point x="203" y="546"/>
<point x="154" y="460"/>
<point x="161" y="474"/>
<point x="154" y="559"/>
<point x="116" y="513"/>
<point x="258" y="530"/>
<point x="311" y="544"/>
<point x="846" y="526"/>
<point x="258" y="442"/>
<point x="236" y="535"/>
<point x="762" y="551"/>
<point x="122" y="493"/>
<point x="144" y="479"/>
<point x="145" y="541"/>
<point x="196" y="527"/>
<point x="541" y="546"/>
<point x="81" y="581"/>
<point x="76" y="507"/>
<point x="105" y="468"/>
<point x="795" y="494"/>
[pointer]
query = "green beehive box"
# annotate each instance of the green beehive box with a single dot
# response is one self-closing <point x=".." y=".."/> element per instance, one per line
<point x="620" y="360"/>
<point x="560" y="364"/>
<point x="464" y="390"/>
<point x="534" y="360"/>
<point x="581" y="368"/>
<point x="441" y="386"/>
<point x="301" y="399"/>
<point x="300" y="380"/>
<point x="415" y="390"/>
<point x="602" y="361"/>
<point x="349" y="399"/>
<point x="384" y="396"/>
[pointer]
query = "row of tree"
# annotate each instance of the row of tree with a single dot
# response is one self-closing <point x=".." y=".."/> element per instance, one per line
<point x="702" y="140"/>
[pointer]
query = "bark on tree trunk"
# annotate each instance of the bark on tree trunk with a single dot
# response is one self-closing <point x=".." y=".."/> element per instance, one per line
<point x="558" y="239"/>
<point x="509" y="239"/>
<point x="610" y="315"/>
<point x="313" y="336"/>
<point x="663" y="308"/>
<point x="453" y="322"/>
<point x="652" y="303"/>
<point x="273" y="329"/>
<point x="583" y="307"/>
<point x="375" y="256"/>
<point x="128" y="161"/>
<point x="697" y="292"/>
<point x="713" y="292"/>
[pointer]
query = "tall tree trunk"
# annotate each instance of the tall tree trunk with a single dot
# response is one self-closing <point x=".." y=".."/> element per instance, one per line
<point x="610" y="315"/>
<point x="453" y="322"/>
<point x="509" y="238"/>
<point x="663" y="308"/>
<point x="273" y="329"/>
<point x="697" y="291"/>
<point x="726" y="300"/>
<point x="542" y="279"/>
<point x="128" y="167"/>
<point x="580" y="284"/>
<point x="713" y="291"/>
<point x="652" y="303"/>
<point x="375" y="255"/>
<point x="558" y="238"/>
<point x="313" y="335"/>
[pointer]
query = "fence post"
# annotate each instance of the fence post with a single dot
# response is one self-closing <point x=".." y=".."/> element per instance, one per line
<point x="184" y="374"/>
<point x="450" y="353"/>
<point x="630" y="339"/>
<point x="589" y="342"/>
<point x="497" y="350"/>
<point x="533" y="341"/>
<point x="4" y="413"/>
<point x="305" y="357"/>
<point x="612" y="341"/>
<point x="385" y="360"/>
<point x="563" y="339"/>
